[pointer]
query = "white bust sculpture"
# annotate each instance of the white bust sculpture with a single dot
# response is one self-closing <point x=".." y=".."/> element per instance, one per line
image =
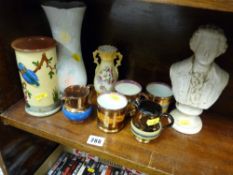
<point x="197" y="81"/>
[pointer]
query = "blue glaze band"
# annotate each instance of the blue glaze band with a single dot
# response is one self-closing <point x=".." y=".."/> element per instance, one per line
<point x="77" y="116"/>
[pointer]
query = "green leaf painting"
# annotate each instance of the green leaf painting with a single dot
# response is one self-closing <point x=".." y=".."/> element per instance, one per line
<point x="50" y="59"/>
<point x="48" y="62"/>
<point x="29" y="94"/>
<point x="55" y="95"/>
<point x="36" y="63"/>
<point x="51" y="73"/>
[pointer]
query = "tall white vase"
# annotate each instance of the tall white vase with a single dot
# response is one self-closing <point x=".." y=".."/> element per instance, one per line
<point x="65" y="19"/>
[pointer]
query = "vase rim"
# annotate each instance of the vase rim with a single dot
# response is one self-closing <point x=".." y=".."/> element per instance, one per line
<point x="33" y="43"/>
<point x="64" y="5"/>
<point x="107" y="48"/>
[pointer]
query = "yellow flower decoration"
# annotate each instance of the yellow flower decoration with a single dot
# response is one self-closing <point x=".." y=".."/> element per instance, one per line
<point x="65" y="37"/>
<point x="76" y="57"/>
<point x="41" y="96"/>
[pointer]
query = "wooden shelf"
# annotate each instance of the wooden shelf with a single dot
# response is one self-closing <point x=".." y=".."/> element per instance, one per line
<point x="209" y="152"/>
<point x="223" y="5"/>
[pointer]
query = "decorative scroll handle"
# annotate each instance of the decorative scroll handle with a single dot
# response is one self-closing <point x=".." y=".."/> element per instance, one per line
<point x="119" y="56"/>
<point x="95" y="54"/>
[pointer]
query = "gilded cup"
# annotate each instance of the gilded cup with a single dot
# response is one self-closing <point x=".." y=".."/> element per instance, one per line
<point x="111" y="109"/>
<point x="160" y="93"/>
<point x="131" y="90"/>
<point x="146" y="124"/>
<point x="77" y="102"/>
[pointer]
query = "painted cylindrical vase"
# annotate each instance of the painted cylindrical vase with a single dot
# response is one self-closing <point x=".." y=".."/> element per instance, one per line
<point x="36" y="60"/>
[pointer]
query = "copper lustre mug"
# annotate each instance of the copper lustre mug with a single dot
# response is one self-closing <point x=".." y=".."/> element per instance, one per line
<point x="77" y="97"/>
<point x="111" y="109"/>
<point x="146" y="124"/>
<point x="131" y="90"/>
<point x="77" y="102"/>
<point x="160" y="93"/>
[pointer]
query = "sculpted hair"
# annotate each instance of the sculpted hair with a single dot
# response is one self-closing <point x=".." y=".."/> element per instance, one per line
<point x="215" y="31"/>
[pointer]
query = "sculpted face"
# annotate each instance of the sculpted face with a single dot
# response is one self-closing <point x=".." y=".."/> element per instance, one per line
<point x="197" y="85"/>
<point x="207" y="45"/>
<point x="207" y="50"/>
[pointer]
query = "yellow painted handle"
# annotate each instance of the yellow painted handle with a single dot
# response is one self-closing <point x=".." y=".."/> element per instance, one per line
<point x="95" y="53"/>
<point x="119" y="56"/>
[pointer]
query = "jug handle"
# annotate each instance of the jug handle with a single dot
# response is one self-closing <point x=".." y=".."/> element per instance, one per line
<point x="92" y="94"/>
<point x="118" y="61"/>
<point x="170" y="119"/>
<point x="141" y="96"/>
<point x="95" y="54"/>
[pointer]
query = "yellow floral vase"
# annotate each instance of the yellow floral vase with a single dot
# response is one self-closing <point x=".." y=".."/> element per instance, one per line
<point x="107" y="59"/>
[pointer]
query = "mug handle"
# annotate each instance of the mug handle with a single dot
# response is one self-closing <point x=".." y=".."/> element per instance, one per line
<point x="141" y="96"/>
<point x="92" y="94"/>
<point x="171" y="120"/>
<point x="136" y="102"/>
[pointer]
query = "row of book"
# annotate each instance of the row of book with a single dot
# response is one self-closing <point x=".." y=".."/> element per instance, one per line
<point x="80" y="163"/>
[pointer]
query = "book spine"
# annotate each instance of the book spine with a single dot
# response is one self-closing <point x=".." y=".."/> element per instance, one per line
<point x="69" y="164"/>
<point x="92" y="167"/>
<point x="102" y="167"/>
<point x="56" y="164"/>
<point x="108" y="170"/>
<point x="83" y="169"/>
<point x="59" y="168"/>
<point x="97" y="167"/>
<point x="80" y="163"/>
<point x="117" y="171"/>
<point x="75" y="164"/>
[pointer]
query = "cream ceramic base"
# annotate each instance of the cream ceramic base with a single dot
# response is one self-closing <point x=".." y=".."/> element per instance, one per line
<point x="184" y="123"/>
<point x="41" y="114"/>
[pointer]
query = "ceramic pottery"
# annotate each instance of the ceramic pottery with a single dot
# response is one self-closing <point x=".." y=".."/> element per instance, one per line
<point x="111" y="112"/>
<point x="65" y="19"/>
<point x="36" y="60"/>
<point x="131" y="90"/>
<point x="77" y="102"/>
<point x="160" y="93"/>
<point x="197" y="81"/>
<point x="77" y="116"/>
<point x="146" y="125"/>
<point x="106" y="72"/>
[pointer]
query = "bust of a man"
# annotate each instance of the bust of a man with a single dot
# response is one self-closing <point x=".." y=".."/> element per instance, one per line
<point x="197" y="81"/>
